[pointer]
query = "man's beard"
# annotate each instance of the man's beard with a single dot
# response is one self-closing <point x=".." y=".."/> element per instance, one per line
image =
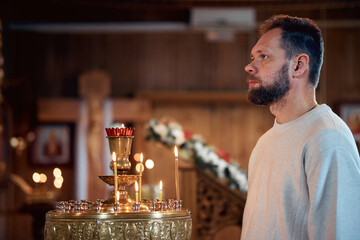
<point x="268" y="94"/>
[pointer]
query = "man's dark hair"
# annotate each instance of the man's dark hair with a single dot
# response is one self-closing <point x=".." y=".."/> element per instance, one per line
<point x="299" y="35"/>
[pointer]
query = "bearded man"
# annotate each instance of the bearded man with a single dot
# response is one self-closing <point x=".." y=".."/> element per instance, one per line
<point x="304" y="173"/>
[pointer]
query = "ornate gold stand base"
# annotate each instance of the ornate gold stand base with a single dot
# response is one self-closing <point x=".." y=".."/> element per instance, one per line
<point x="104" y="226"/>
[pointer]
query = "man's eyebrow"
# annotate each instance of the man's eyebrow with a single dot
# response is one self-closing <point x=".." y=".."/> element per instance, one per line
<point x="259" y="51"/>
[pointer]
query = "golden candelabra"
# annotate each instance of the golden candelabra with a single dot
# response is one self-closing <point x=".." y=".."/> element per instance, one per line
<point x="119" y="216"/>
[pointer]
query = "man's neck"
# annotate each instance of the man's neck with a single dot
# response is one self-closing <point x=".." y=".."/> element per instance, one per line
<point x="291" y="107"/>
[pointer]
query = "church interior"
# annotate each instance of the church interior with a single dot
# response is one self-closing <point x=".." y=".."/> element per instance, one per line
<point x="171" y="69"/>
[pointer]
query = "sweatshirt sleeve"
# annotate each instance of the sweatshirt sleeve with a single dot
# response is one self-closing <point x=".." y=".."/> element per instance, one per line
<point x="333" y="178"/>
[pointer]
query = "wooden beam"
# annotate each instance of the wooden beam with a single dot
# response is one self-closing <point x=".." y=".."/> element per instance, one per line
<point x="58" y="110"/>
<point x="131" y="109"/>
<point x="195" y="97"/>
<point x="68" y="110"/>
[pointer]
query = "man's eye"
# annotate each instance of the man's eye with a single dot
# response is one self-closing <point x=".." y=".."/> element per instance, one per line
<point x="264" y="56"/>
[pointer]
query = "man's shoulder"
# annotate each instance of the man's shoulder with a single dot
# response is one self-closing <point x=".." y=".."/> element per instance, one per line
<point x="328" y="126"/>
<point x="328" y="132"/>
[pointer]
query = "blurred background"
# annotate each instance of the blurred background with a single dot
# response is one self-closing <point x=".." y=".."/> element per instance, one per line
<point x="71" y="68"/>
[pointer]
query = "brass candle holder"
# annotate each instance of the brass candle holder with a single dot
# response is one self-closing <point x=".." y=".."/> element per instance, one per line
<point x="124" y="218"/>
<point x="120" y="143"/>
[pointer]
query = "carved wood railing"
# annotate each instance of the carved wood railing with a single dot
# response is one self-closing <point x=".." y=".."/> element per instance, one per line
<point x="214" y="205"/>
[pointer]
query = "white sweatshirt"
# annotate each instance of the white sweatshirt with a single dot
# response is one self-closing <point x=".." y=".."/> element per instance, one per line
<point x="304" y="181"/>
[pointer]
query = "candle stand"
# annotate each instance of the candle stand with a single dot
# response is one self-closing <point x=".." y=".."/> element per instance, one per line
<point x="124" y="218"/>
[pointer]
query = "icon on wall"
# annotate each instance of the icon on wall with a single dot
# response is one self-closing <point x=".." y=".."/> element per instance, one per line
<point x="53" y="144"/>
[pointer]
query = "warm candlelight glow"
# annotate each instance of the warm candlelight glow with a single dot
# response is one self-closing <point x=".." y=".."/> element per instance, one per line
<point x="57" y="172"/>
<point x="139" y="168"/>
<point x="136" y="186"/>
<point x="36" y="177"/>
<point x="43" y="178"/>
<point x="14" y="142"/>
<point x="122" y="125"/>
<point x="58" y="182"/>
<point x="137" y="157"/>
<point x="141" y="171"/>
<point x="160" y="191"/>
<point x="177" y="174"/>
<point x="176" y="152"/>
<point x="149" y="164"/>
<point x="58" y="178"/>
<point x="136" y="192"/>
<point x="115" y="177"/>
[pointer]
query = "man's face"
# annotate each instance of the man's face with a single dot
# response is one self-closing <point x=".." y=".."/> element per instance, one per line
<point x="268" y="70"/>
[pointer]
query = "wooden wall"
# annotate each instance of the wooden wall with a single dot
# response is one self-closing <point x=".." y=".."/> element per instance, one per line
<point x="162" y="61"/>
<point x="50" y="65"/>
<point x="135" y="61"/>
<point x="341" y="73"/>
<point x="41" y="65"/>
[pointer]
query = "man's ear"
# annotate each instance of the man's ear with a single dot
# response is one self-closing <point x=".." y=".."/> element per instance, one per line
<point x="301" y="64"/>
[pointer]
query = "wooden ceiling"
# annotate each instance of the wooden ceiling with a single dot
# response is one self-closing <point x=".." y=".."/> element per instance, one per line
<point x="164" y="10"/>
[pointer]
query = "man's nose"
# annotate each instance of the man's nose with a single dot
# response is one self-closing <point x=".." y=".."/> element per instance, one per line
<point x="250" y="69"/>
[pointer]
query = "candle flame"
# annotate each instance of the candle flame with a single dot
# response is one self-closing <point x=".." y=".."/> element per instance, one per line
<point x="113" y="156"/>
<point x="160" y="185"/>
<point x="137" y="157"/>
<point x="122" y="125"/>
<point x="149" y="164"/>
<point x="136" y="186"/>
<point x="43" y="178"/>
<point x="176" y="152"/>
<point x="57" y="172"/>
<point x="58" y="182"/>
<point x="141" y="157"/>
<point x="36" y="177"/>
<point x="138" y="167"/>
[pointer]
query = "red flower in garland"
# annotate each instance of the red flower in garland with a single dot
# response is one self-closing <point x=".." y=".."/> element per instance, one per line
<point x="188" y="134"/>
<point x="223" y="155"/>
<point x="165" y="121"/>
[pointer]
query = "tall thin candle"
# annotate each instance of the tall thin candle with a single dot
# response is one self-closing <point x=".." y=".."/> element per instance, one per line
<point x="160" y="191"/>
<point x="115" y="177"/>
<point x="177" y="174"/>
<point x="136" y="192"/>
<point x="141" y="170"/>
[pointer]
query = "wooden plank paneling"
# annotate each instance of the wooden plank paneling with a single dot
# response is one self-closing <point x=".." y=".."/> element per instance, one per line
<point x="135" y="61"/>
<point x="342" y="71"/>
<point x="194" y="97"/>
<point x="58" y="110"/>
<point x="131" y="110"/>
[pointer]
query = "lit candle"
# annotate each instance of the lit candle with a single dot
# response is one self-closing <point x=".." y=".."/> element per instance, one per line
<point x="160" y="191"/>
<point x="136" y="192"/>
<point x="141" y="170"/>
<point x="115" y="177"/>
<point x="177" y="174"/>
<point x="36" y="177"/>
<point x="43" y="178"/>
